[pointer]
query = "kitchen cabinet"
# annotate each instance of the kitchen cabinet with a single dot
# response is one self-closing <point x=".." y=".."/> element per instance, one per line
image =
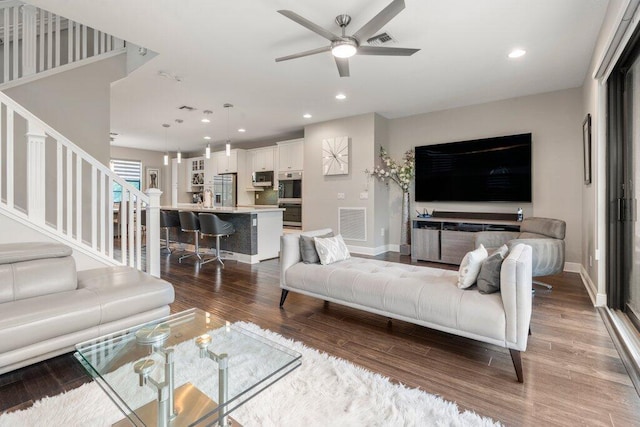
<point x="262" y="159"/>
<point x="194" y="174"/>
<point x="226" y="164"/>
<point x="290" y="155"/>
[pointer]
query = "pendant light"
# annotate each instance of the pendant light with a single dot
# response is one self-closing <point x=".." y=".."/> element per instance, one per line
<point x="179" y="156"/>
<point x="207" y="151"/>
<point x="166" y="151"/>
<point x="228" y="145"/>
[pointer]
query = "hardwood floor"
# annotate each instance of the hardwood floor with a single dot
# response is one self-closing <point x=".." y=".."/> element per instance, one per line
<point x="573" y="374"/>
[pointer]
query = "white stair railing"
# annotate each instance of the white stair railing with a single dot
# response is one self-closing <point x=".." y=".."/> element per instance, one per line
<point x="34" y="40"/>
<point x="51" y="183"/>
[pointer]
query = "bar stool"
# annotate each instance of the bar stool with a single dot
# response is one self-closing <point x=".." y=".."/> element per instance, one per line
<point x="211" y="225"/>
<point x="189" y="223"/>
<point x="168" y="220"/>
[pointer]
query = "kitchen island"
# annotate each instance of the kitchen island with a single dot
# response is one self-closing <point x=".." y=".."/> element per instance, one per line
<point x="257" y="235"/>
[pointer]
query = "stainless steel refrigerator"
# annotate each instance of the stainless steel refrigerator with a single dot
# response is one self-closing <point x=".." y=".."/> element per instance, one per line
<point x="225" y="190"/>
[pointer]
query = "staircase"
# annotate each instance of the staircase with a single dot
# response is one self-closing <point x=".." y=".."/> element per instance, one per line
<point x="47" y="182"/>
<point x="33" y="41"/>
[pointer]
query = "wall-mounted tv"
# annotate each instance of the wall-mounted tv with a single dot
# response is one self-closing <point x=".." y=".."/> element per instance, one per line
<point x="482" y="170"/>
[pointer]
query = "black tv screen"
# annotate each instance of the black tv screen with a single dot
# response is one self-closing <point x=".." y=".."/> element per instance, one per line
<point x="482" y="170"/>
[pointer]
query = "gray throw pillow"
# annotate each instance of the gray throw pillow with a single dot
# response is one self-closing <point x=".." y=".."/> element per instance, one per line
<point x="489" y="276"/>
<point x="308" y="250"/>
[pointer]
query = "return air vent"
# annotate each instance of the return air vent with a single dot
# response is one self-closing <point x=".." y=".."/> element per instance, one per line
<point x="187" y="108"/>
<point x="352" y="223"/>
<point x="381" y="39"/>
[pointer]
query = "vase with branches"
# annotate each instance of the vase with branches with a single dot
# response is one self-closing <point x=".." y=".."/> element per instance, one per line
<point x="402" y="173"/>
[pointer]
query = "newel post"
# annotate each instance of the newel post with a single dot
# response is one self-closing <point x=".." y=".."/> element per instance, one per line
<point x="36" y="173"/>
<point x="29" y="39"/>
<point x="153" y="231"/>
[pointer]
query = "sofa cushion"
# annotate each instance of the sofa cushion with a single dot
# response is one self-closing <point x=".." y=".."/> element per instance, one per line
<point x="331" y="249"/>
<point x="308" y="250"/>
<point x="35" y="277"/>
<point x="29" y="321"/>
<point x="125" y="291"/>
<point x="27" y="251"/>
<point x="489" y="277"/>
<point x="470" y="267"/>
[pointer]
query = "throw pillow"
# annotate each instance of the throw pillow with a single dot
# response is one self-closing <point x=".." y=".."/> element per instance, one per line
<point x="470" y="267"/>
<point x="331" y="249"/>
<point x="489" y="276"/>
<point x="308" y="250"/>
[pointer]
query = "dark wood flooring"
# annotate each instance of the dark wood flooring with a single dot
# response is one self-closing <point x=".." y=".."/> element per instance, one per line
<point x="573" y="374"/>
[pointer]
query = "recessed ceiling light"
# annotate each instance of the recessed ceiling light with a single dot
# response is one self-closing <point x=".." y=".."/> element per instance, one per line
<point x="517" y="53"/>
<point x="306" y="116"/>
<point x="205" y="121"/>
<point x="242" y="130"/>
<point x="341" y="96"/>
<point x="207" y="138"/>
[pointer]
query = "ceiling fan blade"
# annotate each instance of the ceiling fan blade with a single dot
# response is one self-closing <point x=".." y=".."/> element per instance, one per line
<point x="309" y="25"/>
<point x="378" y="21"/>
<point x="305" y="53"/>
<point x="386" y="51"/>
<point x="343" y="66"/>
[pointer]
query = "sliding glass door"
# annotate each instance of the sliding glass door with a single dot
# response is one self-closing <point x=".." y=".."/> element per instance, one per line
<point x="623" y="186"/>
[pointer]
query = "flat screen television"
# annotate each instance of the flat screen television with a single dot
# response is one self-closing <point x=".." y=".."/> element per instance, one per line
<point x="482" y="170"/>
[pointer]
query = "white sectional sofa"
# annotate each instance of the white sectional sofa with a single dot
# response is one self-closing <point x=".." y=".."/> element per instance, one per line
<point x="46" y="306"/>
<point x="422" y="295"/>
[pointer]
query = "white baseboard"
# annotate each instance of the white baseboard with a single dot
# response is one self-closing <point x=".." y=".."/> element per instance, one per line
<point x="598" y="299"/>
<point x="364" y="250"/>
<point x="572" y="267"/>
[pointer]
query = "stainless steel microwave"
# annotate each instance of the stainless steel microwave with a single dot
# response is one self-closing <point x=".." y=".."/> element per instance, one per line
<point x="262" y="179"/>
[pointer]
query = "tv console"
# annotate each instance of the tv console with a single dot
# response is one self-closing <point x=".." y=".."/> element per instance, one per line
<point x="448" y="239"/>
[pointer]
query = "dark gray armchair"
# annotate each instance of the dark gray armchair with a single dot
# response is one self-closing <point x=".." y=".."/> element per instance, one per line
<point x="544" y="235"/>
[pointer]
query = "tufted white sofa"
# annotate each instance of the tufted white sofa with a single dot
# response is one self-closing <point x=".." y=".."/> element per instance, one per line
<point x="422" y="295"/>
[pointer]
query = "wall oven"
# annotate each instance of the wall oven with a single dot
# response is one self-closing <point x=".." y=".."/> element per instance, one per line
<point x="290" y="198"/>
<point x="290" y="187"/>
<point x="292" y="216"/>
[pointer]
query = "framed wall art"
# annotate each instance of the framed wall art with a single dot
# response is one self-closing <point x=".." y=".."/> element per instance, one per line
<point x="586" y="148"/>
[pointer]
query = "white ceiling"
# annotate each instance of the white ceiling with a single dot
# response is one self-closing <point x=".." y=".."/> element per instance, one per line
<point x="224" y="51"/>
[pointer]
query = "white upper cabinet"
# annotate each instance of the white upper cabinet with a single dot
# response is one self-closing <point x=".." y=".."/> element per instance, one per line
<point x="290" y="155"/>
<point x="226" y="164"/>
<point x="262" y="159"/>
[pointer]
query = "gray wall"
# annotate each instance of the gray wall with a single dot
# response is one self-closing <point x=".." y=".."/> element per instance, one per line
<point x="593" y="200"/>
<point x="554" y="119"/>
<point x="149" y="159"/>
<point x="76" y="103"/>
<point x="319" y="193"/>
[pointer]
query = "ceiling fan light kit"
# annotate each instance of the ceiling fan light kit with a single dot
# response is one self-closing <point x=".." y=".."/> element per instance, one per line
<point x="342" y="46"/>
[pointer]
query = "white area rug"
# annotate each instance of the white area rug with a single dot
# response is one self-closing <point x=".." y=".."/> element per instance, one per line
<point x="324" y="391"/>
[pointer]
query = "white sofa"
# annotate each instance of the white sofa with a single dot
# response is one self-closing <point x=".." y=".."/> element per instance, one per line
<point x="422" y="295"/>
<point x="46" y="306"/>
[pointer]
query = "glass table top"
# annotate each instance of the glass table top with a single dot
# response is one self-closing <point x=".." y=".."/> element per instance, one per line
<point x="173" y="371"/>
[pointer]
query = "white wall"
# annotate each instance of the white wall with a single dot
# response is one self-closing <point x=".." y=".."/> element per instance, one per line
<point x="15" y="232"/>
<point x="593" y="196"/>
<point x="76" y="103"/>
<point x="554" y="119"/>
<point x="149" y="159"/>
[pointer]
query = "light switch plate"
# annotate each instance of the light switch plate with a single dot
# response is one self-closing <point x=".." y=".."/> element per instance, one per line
<point x="340" y="196"/>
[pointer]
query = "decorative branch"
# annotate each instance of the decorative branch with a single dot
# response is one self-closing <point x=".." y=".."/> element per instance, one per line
<point x="390" y="170"/>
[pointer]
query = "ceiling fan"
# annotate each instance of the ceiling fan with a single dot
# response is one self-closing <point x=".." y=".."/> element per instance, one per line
<point x="343" y="47"/>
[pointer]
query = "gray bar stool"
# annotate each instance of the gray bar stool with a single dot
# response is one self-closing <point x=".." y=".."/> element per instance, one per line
<point x="189" y="223"/>
<point x="168" y="220"/>
<point x="211" y="225"/>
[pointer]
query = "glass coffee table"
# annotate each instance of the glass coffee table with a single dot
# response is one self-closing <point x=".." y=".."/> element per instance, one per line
<point x="186" y="369"/>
